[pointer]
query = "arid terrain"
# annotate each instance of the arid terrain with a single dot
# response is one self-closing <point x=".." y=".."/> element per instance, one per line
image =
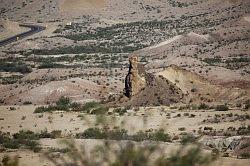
<point x="170" y="73"/>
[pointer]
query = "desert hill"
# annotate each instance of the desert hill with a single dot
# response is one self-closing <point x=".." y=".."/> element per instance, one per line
<point x="200" y="90"/>
<point x="188" y="84"/>
<point x="176" y="85"/>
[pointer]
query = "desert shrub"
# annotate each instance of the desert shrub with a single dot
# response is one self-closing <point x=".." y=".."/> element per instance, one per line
<point x="55" y="134"/>
<point x="244" y="155"/>
<point x="203" y="106"/>
<point x="212" y="61"/>
<point x="134" y="156"/>
<point x="185" y="156"/>
<point x="63" y="103"/>
<point x="120" y="111"/>
<point x="187" y="138"/>
<point x="12" y="108"/>
<point x="44" y="134"/>
<point x="92" y="133"/>
<point x="243" y="130"/>
<point x="7" y="142"/>
<point x="221" y="108"/>
<point x="14" y="67"/>
<point x="160" y="135"/>
<point x="43" y="109"/>
<point x="130" y="154"/>
<point x="25" y="139"/>
<point x="96" y="133"/>
<point x="117" y="134"/>
<point x="193" y="90"/>
<point x="192" y="116"/>
<point x="140" y="136"/>
<point x="27" y="103"/>
<point x="208" y="128"/>
<point x="11" y="143"/>
<point x="50" y="65"/>
<point x="243" y="146"/>
<point x="121" y="134"/>
<point x="87" y="107"/>
<point x="32" y="145"/>
<point x="182" y="129"/>
<point x="247" y="105"/>
<point x="100" y="110"/>
<point x="75" y="106"/>
<point x="25" y="134"/>
<point x="10" y="80"/>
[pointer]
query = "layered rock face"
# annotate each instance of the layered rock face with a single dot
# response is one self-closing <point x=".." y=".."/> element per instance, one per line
<point x="135" y="79"/>
<point x="144" y="89"/>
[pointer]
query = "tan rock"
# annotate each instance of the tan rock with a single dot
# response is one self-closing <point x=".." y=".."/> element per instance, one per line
<point x="135" y="79"/>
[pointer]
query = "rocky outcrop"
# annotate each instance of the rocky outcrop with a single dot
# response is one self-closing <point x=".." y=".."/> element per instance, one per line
<point x="135" y="79"/>
<point x="222" y="143"/>
<point x="145" y="89"/>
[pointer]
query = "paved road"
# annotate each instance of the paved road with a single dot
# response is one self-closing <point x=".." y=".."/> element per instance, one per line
<point x="33" y="29"/>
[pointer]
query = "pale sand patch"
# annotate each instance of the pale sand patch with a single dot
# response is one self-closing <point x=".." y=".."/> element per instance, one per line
<point x="247" y="18"/>
<point x="195" y="35"/>
<point x="9" y="29"/>
<point x="69" y="5"/>
<point x="167" y="42"/>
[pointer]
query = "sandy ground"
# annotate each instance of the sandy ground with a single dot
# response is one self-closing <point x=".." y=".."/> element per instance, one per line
<point x="28" y="158"/>
<point x="145" y="119"/>
<point x="9" y="29"/>
<point x="71" y="5"/>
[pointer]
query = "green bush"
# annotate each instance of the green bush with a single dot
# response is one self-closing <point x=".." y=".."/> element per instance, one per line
<point x="121" y="134"/>
<point x="53" y="134"/>
<point x="11" y="144"/>
<point x="87" y="107"/>
<point x="187" y="138"/>
<point x="75" y="106"/>
<point x="26" y="134"/>
<point x="120" y="111"/>
<point x="221" y="108"/>
<point x="63" y="104"/>
<point x="92" y="133"/>
<point x="25" y="139"/>
<point x="14" y="67"/>
<point x="118" y="134"/>
<point x="203" y="106"/>
<point x="160" y="135"/>
<point x="43" y="109"/>
<point x="100" y="110"/>
<point x="50" y="65"/>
